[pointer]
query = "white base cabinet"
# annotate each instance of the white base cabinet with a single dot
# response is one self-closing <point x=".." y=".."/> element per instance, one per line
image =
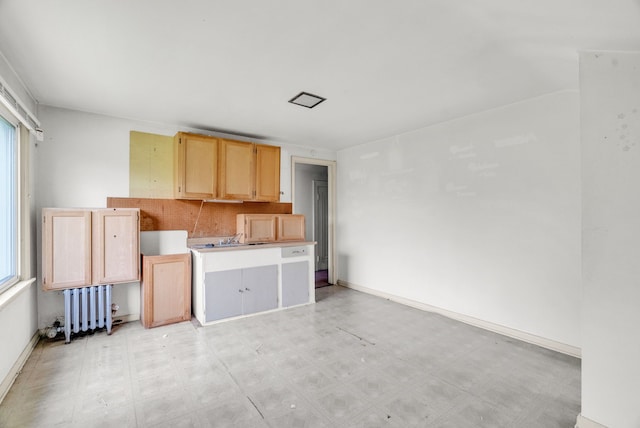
<point x="223" y="294"/>
<point x="231" y="293"/>
<point x="243" y="281"/>
<point x="295" y="283"/>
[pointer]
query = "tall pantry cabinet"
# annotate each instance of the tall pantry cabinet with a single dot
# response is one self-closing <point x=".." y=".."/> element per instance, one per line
<point x="82" y="247"/>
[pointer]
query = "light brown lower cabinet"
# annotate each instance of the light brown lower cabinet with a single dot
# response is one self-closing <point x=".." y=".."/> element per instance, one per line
<point x="165" y="289"/>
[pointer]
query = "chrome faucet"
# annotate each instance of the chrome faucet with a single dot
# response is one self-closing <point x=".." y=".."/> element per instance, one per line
<point x="235" y="239"/>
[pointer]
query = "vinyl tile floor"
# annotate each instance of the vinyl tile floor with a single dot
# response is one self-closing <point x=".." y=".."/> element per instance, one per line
<point x="350" y="360"/>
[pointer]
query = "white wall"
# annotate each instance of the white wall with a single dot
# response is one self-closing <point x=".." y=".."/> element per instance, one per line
<point x="18" y="310"/>
<point x="18" y="305"/>
<point x="479" y="216"/>
<point x="85" y="158"/>
<point x="18" y="324"/>
<point x="610" y="113"/>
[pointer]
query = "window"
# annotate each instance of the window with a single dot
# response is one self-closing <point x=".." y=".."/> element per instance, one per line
<point x="8" y="204"/>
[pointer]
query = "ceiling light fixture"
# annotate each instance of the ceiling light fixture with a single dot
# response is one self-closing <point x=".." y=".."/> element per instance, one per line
<point x="306" y="99"/>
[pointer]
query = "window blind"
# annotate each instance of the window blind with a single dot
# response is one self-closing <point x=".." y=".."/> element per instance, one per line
<point x="17" y="108"/>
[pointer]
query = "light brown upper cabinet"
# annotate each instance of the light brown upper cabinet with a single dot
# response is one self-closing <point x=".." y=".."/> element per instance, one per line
<point x="270" y="227"/>
<point x="83" y="247"/>
<point x="66" y="248"/>
<point x="195" y="166"/>
<point x="290" y="227"/>
<point x="248" y="171"/>
<point x="256" y="227"/>
<point x="267" y="173"/>
<point x="115" y="245"/>
<point x="214" y="168"/>
<point x="236" y="170"/>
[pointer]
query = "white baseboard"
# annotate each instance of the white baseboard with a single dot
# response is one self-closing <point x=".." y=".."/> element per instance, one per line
<point x="496" y="328"/>
<point x="126" y="318"/>
<point x="582" y="422"/>
<point x="17" y="366"/>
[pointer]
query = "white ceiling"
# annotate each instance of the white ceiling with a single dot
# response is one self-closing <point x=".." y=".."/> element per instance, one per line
<point x="384" y="66"/>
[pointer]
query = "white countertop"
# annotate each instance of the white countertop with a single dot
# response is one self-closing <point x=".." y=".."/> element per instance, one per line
<point x="241" y="247"/>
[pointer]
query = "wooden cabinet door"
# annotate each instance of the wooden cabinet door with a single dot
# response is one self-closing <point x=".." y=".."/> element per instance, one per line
<point x="267" y="173"/>
<point x="223" y="294"/>
<point x="66" y="248"/>
<point x="115" y="245"/>
<point x="290" y="227"/>
<point x="166" y="289"/>
<point x="196" y="166"/>
<point x="295" y="283"/>
<point x="260" y="289"/>
<point x="236" y="171"/>
<point x="256" y="227"/>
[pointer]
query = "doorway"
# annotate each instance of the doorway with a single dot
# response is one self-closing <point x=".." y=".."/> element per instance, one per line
<point x="321" y="223"/>
<point x="313" y="184"/>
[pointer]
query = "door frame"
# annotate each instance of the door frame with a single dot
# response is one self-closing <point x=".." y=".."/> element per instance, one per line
<point x="331" y="205"/>
<point x="316" y="219"/>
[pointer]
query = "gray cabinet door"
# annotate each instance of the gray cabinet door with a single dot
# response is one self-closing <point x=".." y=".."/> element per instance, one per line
<point x="295" y="283"/>
<point x="260" y="288"/>
<point x="223" y="294"/>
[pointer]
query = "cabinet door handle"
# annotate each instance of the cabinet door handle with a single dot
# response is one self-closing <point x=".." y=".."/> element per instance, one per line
<point x="241" y="291"/>
<point x="247" y="289"/>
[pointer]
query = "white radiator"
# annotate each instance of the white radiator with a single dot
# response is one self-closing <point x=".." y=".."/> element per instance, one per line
<point x="86" y="309"/>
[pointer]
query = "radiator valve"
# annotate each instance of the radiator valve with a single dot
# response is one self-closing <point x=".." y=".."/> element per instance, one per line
<point x="114" y="308"/>
<point x="52" y="331"/>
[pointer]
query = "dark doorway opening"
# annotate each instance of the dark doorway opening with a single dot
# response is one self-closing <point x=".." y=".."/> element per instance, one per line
<point x="322" y="278"/>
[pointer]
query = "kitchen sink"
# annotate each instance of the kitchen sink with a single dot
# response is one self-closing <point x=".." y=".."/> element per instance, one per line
<point x="224" y="245"/>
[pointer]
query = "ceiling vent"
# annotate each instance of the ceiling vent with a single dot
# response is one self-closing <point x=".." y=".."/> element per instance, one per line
<point x="307" y="100"/>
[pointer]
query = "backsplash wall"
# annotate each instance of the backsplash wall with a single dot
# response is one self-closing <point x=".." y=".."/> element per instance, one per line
<point x="197" y="218"/>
